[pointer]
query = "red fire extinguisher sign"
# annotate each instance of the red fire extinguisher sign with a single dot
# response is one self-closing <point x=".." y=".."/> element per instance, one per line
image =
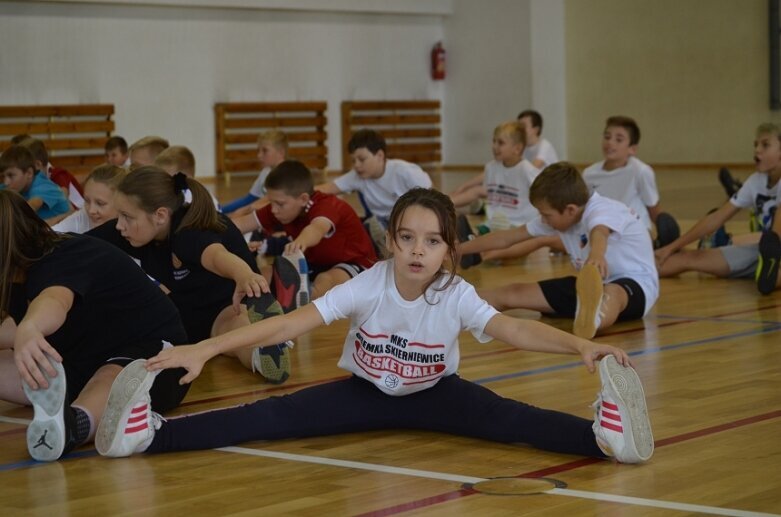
<point x="438" y="62"/>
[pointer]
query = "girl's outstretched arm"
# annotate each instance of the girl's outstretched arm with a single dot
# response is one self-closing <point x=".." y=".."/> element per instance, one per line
<point x="538" y="337"/>
<point x="267" y="332"/>
<point x="217" y="259"/>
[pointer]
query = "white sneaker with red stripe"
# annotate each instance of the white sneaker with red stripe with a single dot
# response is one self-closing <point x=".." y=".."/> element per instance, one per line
<point x="621" y="424"/>
<point x="128" y="424"/>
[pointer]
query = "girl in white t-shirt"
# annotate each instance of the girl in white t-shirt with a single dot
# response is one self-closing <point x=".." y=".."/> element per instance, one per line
<point x="99" y="189"/>
<point x="402" y="348"/>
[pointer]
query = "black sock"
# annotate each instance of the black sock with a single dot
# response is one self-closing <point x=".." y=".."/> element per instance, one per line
<point x="83" y="425"/>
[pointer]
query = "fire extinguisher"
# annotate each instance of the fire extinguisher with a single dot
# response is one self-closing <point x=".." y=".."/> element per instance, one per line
<point x="438" y="62"/>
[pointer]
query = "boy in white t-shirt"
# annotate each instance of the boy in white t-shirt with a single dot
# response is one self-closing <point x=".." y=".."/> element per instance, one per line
<point x="539" y="151"/>
<point x="505" y="185"/>
<point x="606" y="243"/>
<point x="379" y="181"/>
<point x="760" y="193"/>
<point x="623" y="177"/>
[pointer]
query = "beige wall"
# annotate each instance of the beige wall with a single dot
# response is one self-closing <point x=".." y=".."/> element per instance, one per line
<point x="693" y="73"/>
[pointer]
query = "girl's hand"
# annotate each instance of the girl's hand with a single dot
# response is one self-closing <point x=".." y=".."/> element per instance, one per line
<point x="30" y="355"/>
<point x="252" y="285"/>
<point x="594" y="351"/>
<point x="190" y="357"/>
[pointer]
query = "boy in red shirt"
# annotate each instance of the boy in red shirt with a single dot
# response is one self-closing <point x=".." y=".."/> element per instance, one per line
<point x="324" y="230"/>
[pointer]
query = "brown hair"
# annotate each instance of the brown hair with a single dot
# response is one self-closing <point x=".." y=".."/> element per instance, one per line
<point x="109" y="175"/>
<point x="768" y="128"/>
<point x="445" y="211"/>
<point x="17" y="156"/>
<point x="291" y="177"/>
<point x="116" y="142"/>
<point x="24" y="239"/>
<point x="153" y="188"/>
<point x="627" y="123"/>
<point x="179" y="157"/>
<point x="559" y="185"/>
<point x="38" y="150"/>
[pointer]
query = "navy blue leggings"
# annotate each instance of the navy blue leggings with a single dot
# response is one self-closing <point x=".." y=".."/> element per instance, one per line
<point x="452" y="406"/>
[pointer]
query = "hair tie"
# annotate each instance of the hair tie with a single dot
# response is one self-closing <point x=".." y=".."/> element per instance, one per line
<point x="180" y="185"/>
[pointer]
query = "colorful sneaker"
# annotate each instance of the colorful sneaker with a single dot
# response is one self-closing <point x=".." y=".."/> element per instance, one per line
<point x="299" y="261"/>
<point x="589" y="289"/>
<point x="272" y="362"/>
<point x="621" y="424"/>
<point x="465" y="234"/>
<point x="52" y="433"/>
<point x="286" y="282"/>
<point x="128" y="424"/>
<point x="667" y="230"/>
<point x="766" y="275"/>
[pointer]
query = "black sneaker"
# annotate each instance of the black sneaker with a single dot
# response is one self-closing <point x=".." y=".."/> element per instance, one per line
<point x="667" y="230"/>
<point x="272" y="362"/>
<point x="465" y="234"/>
<point x="52" y="433"/>
<point x="285" y="283"/>
<point x="728" y="181"/>
<point x="767" y="268"/>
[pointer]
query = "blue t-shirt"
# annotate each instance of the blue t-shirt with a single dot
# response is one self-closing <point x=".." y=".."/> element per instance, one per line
<point x="54" y="200"/>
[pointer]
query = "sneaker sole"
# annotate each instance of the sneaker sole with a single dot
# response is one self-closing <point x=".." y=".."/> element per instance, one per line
<point x="767" y="267"/>
<point x="631" y="398"/>
<point x="132" y="380"/>
<point x="589" y="290"/>
<point x="667" y="229"/>
<point x="287" y="283"/>
<point x="271" y="371"/>
<point x="299" y="261"/>
<point x="49" y="421"/>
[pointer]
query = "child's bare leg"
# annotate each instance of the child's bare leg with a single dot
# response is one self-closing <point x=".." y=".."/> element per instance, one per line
<point x="10" y="380"/>
<point x="228" y="320"/>
<point x="517" y="296"/>
<point x="614" y="301"/>
<point x="522" y="249"/>
<point x="328" y="279"/>
<point x="94" y="396"/>
<point x="706" y="261"/>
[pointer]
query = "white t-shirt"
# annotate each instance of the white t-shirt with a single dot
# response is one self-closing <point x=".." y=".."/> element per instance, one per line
<point x="403" y="346"/>
<point x="629" y="253"/>
<point x="507" y="204"/>
<point x="634" y="185"/>
<point x="542" y="150"/>
<point x="258" y="189"/>
<point x="381" y="194"/>
<point x="757" y="196"/>
<point x="77" y="222"/>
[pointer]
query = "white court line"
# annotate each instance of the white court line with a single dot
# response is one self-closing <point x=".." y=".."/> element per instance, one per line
<point x="10" y="420"/>
<point x="637" y="501"/>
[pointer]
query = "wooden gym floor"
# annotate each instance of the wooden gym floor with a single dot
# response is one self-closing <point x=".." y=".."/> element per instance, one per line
<point x="709" y="355"/>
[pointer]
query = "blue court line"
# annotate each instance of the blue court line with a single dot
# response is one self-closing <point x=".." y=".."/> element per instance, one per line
<point x="651" y="350"/>
<point x="526" y="373"/>
<point x="34" y="463"/>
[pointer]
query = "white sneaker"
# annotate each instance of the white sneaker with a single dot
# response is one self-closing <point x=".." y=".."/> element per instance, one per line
<point x="621" y="424"/>
<point x="589" y="289"/>
<point x="128" y="424"/>
<point x="51" y="431"/>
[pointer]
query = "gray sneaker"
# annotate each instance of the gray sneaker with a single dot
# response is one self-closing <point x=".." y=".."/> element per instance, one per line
<point x="52" y="431"/>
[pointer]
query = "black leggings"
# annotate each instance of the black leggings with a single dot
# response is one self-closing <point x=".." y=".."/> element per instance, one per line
<point x="452" y="406"/>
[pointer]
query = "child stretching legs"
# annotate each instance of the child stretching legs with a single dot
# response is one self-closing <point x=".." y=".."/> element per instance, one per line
<point x="402" y="349"/>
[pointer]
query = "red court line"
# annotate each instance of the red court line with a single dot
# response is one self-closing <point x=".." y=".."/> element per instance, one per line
<point x="572" y="465"/>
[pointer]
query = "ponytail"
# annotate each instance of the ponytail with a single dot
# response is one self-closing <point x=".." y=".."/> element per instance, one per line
<point x="186" y="199"/>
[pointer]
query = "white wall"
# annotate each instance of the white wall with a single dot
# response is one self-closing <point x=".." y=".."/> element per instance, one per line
<point x="165" y="67"/>
<point x="548" y="66"/>
<point x="488" y="74"/>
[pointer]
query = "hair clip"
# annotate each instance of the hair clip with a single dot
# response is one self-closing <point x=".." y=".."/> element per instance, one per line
<point x="181" y="185"/>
